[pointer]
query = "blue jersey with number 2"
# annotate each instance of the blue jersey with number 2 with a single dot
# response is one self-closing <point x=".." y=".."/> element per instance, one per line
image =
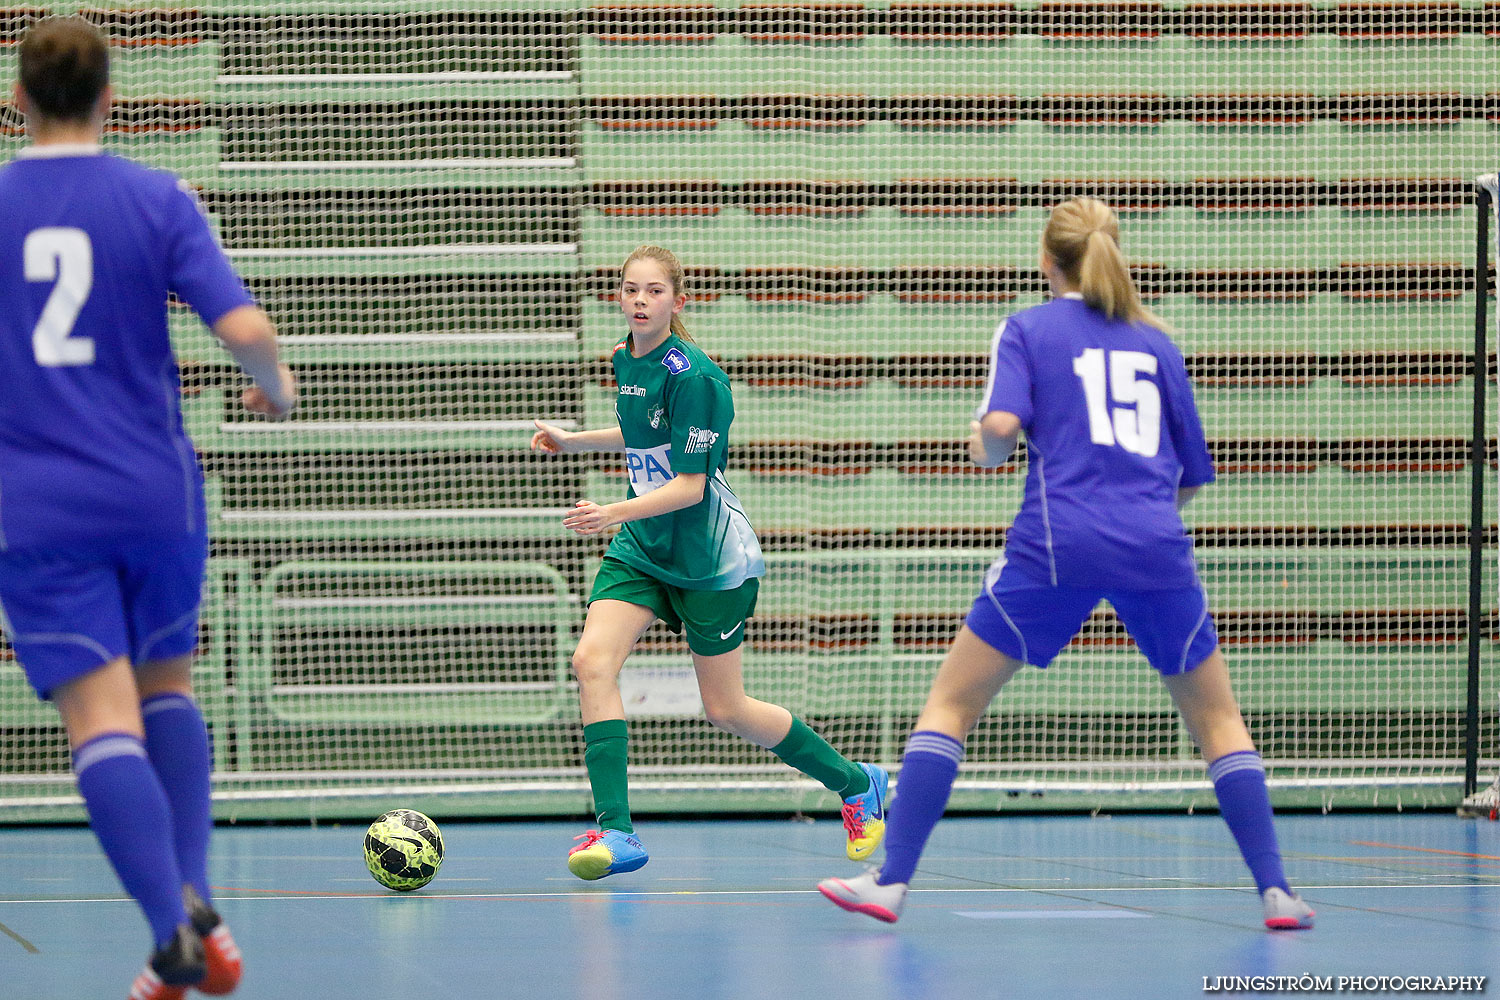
<point x="1111" y="433"/>
<point x="92" y="446"/>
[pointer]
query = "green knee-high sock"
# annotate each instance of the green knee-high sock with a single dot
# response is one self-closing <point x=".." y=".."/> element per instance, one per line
<point x="606" y="748"/>
<point x="810" y="753"/>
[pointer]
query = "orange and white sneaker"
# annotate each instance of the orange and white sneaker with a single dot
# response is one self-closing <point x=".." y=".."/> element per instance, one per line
<point x="172" y="969"/>
<point x="864" y="815"/>
<point x="221" y="955"/>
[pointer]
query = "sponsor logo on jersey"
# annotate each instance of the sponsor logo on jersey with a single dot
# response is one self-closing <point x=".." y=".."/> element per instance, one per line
<point x="655" y="416"/>
<point x="676" y="362"/>
<point x="618" y="346"/>
<point x="699" y="439"/>
<point x="649" y="468"/>
<point x="632" y="390"/>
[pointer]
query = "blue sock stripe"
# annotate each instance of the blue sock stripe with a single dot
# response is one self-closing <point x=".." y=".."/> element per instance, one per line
<point x="1243" y="760"/>
<point x="936" y="743"/>
<point x="166" y="702"/>
<point x="102" y="748"/>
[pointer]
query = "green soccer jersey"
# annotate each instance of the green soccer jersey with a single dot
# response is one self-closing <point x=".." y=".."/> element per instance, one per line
<point x="675" y="409"/>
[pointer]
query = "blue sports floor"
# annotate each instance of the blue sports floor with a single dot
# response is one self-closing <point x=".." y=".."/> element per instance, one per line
<point x="1012" y="906"/>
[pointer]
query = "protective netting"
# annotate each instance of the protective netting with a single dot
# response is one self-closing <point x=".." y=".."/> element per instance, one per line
<point x="433" y="201"/>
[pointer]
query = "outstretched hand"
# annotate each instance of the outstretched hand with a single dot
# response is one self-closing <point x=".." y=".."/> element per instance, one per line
<point x="550" y="439"/>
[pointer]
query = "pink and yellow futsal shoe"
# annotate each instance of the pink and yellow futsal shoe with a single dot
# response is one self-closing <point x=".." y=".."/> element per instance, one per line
<point x="864" y="815"/>
<point x="606" y="852"/>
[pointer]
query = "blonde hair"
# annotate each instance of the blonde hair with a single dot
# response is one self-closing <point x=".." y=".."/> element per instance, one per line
<point x="1083" y="239"/>
<point x="672" y="267"/>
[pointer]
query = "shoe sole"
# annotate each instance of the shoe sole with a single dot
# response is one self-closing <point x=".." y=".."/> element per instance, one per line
<point x="589" y="869"/>
<point x="1290" y="923"/>
<point x="868" y="909"/>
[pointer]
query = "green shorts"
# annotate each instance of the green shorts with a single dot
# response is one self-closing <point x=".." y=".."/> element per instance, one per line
<point x="714" y="620"/>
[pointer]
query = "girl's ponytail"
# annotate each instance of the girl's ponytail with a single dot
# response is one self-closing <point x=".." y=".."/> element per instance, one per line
<point x="1083" y="238"/>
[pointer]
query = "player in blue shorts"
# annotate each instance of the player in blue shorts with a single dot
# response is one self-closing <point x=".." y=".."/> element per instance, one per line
<point x="1115" y="449"/>
<point x="102" y="519"/>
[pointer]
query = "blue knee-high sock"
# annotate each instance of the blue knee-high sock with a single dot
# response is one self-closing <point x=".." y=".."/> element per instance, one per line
<point x="926" y="781"/>
<point x="129" y="813"/>
<point x="177" y="741"/>
<point x="1240" y="783"/>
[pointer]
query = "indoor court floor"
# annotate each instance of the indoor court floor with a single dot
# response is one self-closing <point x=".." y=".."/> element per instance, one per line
<point x="1016" y="905"/>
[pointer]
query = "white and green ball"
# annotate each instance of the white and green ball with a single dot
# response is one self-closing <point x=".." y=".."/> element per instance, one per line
<point x="404" y="849"/>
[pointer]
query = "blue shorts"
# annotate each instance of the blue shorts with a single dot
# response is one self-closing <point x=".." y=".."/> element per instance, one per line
<point x="68" y="612"/>
<point x="1032" y="621"/>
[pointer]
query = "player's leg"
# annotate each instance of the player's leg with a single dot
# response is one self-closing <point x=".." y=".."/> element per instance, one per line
<point x="610" y="631"/>
<point x="65" y="616"/>
<point x="971" y="675"/>
<point x="162" y="584"/>
<point x="1175" y="631"/>
<point x="178" y="743"/>
<point x="129" y="812"/>
<point x="714" y="623"/>
<point x="1013" y="621"/>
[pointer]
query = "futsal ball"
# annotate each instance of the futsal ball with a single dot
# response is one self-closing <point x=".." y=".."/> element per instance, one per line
<point x="403" y="849"/>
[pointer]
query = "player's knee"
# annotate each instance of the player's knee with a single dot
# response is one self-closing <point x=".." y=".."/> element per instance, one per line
<point x="593" y="666"/>
<point x="725" y="713"/>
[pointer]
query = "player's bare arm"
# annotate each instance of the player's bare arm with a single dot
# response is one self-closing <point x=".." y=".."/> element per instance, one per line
<point x="685" y="489"/>
<point x="250" y="337"/>
<point x="993" y="440"/>
<point x="554" y="440"/>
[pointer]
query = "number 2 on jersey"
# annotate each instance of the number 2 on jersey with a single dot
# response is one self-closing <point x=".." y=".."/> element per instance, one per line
<point x="64" y="255"/>
<point x="1136" y="424"/>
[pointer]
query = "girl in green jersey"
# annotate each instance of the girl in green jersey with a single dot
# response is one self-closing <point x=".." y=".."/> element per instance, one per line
<point x="685" y="554"/>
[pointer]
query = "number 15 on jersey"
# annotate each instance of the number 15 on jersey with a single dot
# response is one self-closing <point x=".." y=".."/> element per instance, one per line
<point x="1125" y="407"/>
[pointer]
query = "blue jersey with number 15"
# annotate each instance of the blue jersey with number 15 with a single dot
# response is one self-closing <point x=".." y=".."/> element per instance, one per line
<point x="92" y="447"/>
<point x="1111" y="433"/>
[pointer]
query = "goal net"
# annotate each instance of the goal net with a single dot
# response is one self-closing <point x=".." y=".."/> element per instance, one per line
<point x="433" y="201"/>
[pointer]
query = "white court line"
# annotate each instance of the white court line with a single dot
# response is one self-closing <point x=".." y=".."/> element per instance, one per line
<point x="344" y="426"/>
<point x="1071" y="889"/>
<point x="431" y="163"/>
<point x="358" y="339"/>
<point x="1052" y="914"/>
<point x="440" y="250"/>
<point x="451" y="76"/>
<point x="439" y="601"/>
<point x="466" y="514"/>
